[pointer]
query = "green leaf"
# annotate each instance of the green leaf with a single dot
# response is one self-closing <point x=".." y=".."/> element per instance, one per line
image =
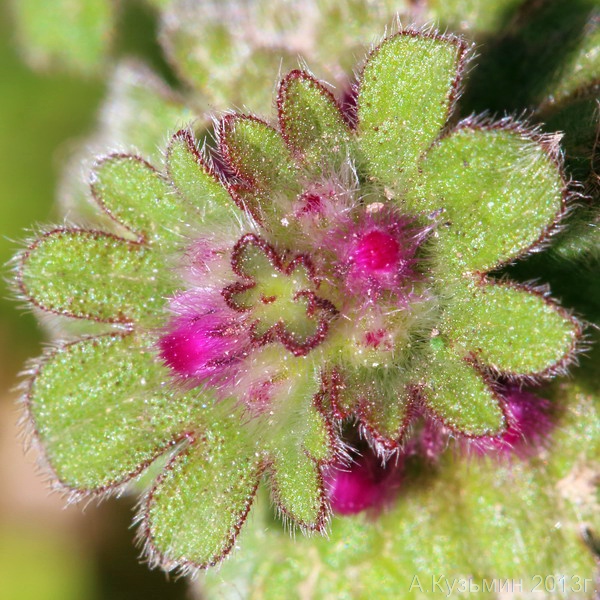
<point x="297" y="488"/>
<point x="201" y="500"/>
<point x="576" y="284"/>
<point x="406" y="94"/>
<point x="65" y="34"/>
<point x="138" y="197"/>
<point x="510" y="329"/>
<point x="499" y="192"/>
<point x="385" y="407"/>
<point x="257" y="153"/>
<point x="196" y="184"/>
<point x="296" y="474"/>
<point x="378" y="397"/>
<point x="317" y="439"/>
<point x="458" y="394"/>
<point x="92" y="275"/>
<point x="101" y="411"/>
<point x="311" y="121"/>
<point x="298" y="440"/>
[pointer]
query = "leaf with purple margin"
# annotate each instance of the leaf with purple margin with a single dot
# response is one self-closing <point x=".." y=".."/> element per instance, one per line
<point x="199" y="503"/>
<point x="499" y="191"/>
<point x="102" y="412"/>
<point x="311" y="121"/>
<point x="142" y="200"/>
<point x="92" y="275"/>
<point x="406" y="93"/>
<point x="509" y="328"/>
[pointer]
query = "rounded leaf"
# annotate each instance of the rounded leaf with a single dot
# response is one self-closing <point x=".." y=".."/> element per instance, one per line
<point x="196" y="184"/>
<point x="101" y="413"/>
<point x="91" y="275"/>
<point x="407" y="91"/>
<point x="458" y="394"/>
<point x="257" y="153"/>
<point x="496" y="192"/>
<point x="297" y="489"/>
<point x="311" y="121"/>
<point x="511" y="329"/>
<point x="196" y="509"/>
<point x="131" y="191"/>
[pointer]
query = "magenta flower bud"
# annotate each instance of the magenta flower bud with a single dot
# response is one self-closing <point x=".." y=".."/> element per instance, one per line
<point x="206" y="342"/>
<point x="363" y="484"/>
<point x="528" y="424"/>
<point x="376" y="252"/>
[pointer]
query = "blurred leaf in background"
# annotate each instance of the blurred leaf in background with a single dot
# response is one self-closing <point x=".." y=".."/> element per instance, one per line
<point x="76" y="33"/>
<point x="37" y="115"/>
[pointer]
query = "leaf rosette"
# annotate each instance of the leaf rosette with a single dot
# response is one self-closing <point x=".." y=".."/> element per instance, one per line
<point x="336" y="266"/>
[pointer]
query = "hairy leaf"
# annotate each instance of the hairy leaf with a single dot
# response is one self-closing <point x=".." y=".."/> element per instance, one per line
<point x="458" y="394"/>
<point x="102" y="413"/>
<point x="138" y="197"/>
<point x="92" y="275"/>
<point x="498" y="192"/>
<point x="511" y="329"/>
<point x="311" y="121"/>
<point x="406" y="93"/>
<point x="196" y="509"/>
<point x="66" y="34"/>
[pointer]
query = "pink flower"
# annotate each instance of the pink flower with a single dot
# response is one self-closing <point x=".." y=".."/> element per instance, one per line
<point x="376" y="253"/>
<point x="529" y="421"/>
<point x="205" y="342"/>
<point x="365" y="483"/>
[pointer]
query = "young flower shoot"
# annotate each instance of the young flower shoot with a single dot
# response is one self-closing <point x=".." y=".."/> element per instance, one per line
<point x="334" y="272"/>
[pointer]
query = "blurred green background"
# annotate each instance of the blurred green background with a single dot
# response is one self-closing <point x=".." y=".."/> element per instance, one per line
<point x="47" y="553"/>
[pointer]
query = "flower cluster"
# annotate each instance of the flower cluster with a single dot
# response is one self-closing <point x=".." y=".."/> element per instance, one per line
<point x="330" y="272"/>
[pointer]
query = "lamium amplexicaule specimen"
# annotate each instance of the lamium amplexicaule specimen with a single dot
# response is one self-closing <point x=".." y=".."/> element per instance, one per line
<point x="316" y="308"/>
